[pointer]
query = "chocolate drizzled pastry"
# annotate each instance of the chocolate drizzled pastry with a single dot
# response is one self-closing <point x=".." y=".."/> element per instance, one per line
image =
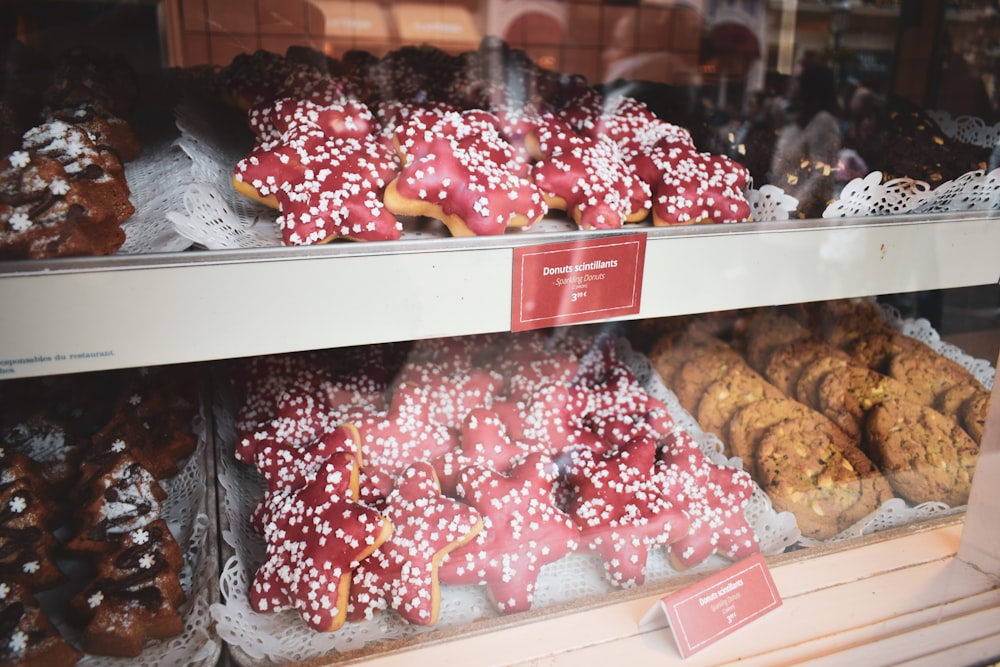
<point x="27" y="544"/>
<point x="124" y="496"/>
<point x="47" y="212"/>
<point x="27" y="636"/>
<point x="87" y="165"/>
<point x="134" y="596"/>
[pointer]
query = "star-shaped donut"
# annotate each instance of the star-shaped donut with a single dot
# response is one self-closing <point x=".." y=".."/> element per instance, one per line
<point x="286" y="462"/>
<point x="550" y="420"/>
<point x="530" y="360"/>
<point x="619" y="411"/>
<point x="484" y="442"/>
<point x="589" y="178"/>
<point x="405" y="433"/>
<point x="620" y="509"/>
<point x="343" y="119"/>
<point x="457" y="168"/>
<point x="451" y="395"/>
<point x="691" y="187"/>
<point x="712" y="496"/>
<point x="300" y="417"/>
<point x="316" y="535"/>
<point x="523" y="530"/>
<point x="325" y="174"/>
<point x="402" y="574"/>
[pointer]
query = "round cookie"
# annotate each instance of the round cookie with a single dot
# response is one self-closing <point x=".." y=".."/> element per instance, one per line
<point x="723" y="397"/>
<point x="749" y="423"/>
<point x="846" y="394"/>
<point x="705" y="366"/>
<point x="673" y="349"/>
<point x="806" y="387"/>
<point x="972" y="416"/>
<point x="876" y="348"/>
<point x="769" y="331"/>
<point x="785" y="365"/>
<point x="847" y="321"/>
<point x="828" y="487"/>
<point x="925" y="455"/>
<point x="950" y="401"/>
<point x="927" y="372"/>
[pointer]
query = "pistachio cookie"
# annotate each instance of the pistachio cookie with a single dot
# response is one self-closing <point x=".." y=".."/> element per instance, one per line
<point x="828" y="486"/>
<point x="925" y="455"/>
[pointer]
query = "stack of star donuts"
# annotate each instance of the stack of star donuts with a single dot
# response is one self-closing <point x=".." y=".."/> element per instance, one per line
<point x="485" y="141"/>
<point x="393" y="469"/>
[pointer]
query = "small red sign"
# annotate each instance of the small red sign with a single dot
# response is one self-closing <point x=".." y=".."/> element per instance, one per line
<point x="566" y="283"/>
<point x="702" y="614"/>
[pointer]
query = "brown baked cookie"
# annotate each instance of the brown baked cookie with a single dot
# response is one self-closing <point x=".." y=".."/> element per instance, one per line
<point x="846" y="394"/>
<point x="927" y="372"/>
<point x="674" y="348"/>
<point x="807" y="386"/>
<point x="768" y="331"/>
<point x="740" y="386"/>
<point x="665" y="332"/>
<point x="845" y="321"/>
<point x="876" y="348"/>
<point x="827" y="486"/>
<point x="749" y="423"/>
<point x="703" y="367"/>
<point x="972" y="415"/>
<point x="950" y="401"/>
<point x="785" y="365"/>
<point x="925" y="455"/>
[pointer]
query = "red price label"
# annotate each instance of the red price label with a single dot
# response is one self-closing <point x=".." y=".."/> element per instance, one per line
<point x="566" y="283"/>
<point x="716" y="606"/>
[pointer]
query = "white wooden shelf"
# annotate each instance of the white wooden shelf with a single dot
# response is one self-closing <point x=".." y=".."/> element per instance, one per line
<point x="101" y="313"/>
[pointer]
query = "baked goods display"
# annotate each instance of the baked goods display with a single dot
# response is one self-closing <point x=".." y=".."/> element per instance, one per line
<point x="63" y="190"/>
<point x="484" y="142"/>
<point x="831" y="408"/>
<point x="392" y="477"/>
<point x="96" y="559"/>
<point x="394" y="474"/>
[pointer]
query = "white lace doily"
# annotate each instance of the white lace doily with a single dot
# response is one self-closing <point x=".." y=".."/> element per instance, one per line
<point x="153" y="180"/>
<point x="771" y="203"/>
<point x="267" y="638"/>
<point x="967" y="129"/>
<point x="869" y="196"/>
<point x="189" y="512"/>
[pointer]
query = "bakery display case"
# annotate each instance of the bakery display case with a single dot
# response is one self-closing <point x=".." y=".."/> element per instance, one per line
<point x="763" y="303"/>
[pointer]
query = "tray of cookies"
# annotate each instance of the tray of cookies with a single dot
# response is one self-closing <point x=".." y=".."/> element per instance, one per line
<point x="109" y="546"/>
<point x="845" y="414"/>
<point x="461" y="481"/>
